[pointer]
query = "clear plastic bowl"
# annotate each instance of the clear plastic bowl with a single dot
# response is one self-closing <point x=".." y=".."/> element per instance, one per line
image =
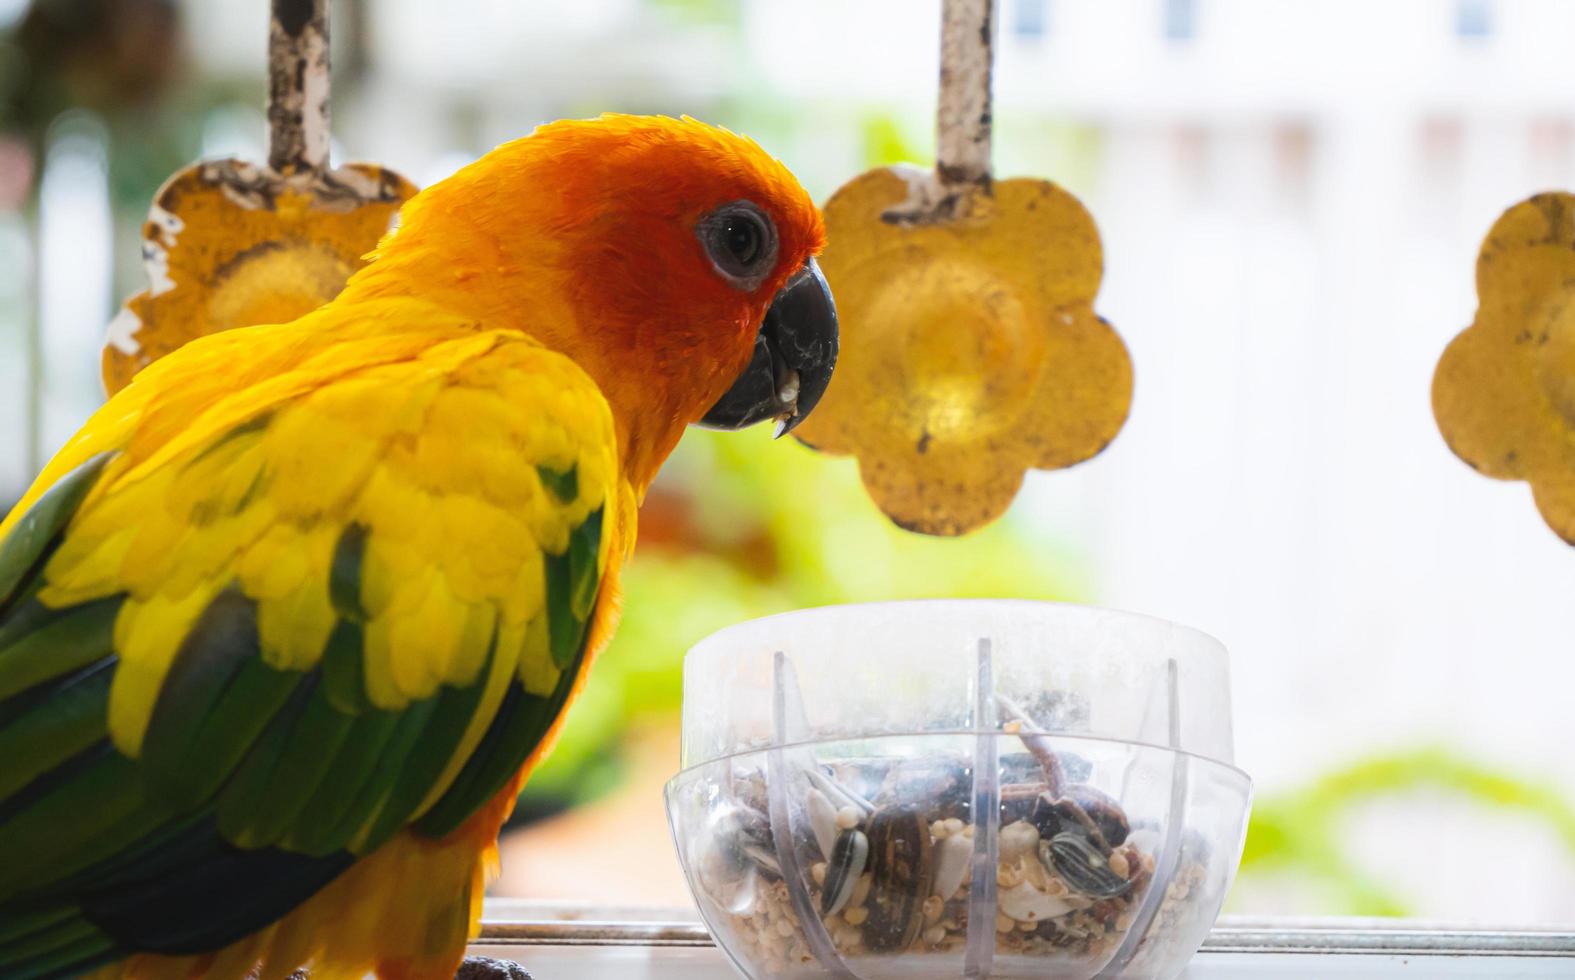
<point x="958" y="788"/>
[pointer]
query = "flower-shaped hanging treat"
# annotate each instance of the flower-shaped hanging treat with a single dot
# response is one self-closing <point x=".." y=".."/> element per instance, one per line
<point x="228" y="243"/>
<point x="970" y="347"/>
<point x="1504" y="390"/>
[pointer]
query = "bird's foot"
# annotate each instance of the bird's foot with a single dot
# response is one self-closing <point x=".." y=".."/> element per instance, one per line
<point x="487" y="968"/>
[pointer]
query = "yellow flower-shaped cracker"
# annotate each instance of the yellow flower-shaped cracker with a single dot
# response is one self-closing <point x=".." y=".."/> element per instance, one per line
<point x="970" y="347"/>
<point x="229" y="244"/>
<point x="1504" y="390"/>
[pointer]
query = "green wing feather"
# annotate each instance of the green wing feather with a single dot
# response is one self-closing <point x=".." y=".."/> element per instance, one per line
<point x="37" y="534"/>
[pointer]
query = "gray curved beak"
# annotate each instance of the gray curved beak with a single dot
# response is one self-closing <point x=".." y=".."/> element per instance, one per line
<point x="795" y="353"/>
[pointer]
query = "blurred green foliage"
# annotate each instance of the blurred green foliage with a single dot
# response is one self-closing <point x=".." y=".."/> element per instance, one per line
<point x="886" y="144"/>
<point x="1300" y="832"/>
<point x="740" y="526"/>
<point x="710" y="13"/>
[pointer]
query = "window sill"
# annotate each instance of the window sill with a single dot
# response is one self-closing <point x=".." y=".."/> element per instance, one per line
<point x="587" y="943"/>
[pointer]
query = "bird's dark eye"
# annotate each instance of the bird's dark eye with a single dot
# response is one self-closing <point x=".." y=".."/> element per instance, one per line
<point x="741" y="236"/>
<point x="741" y="242"/>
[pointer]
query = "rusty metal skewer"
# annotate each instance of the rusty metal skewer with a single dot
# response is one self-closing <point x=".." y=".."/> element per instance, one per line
<point x="963" y="119"/>
<point x="298" y="86"/>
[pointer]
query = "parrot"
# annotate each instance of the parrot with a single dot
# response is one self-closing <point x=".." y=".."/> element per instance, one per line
<point x="286" y="624"/>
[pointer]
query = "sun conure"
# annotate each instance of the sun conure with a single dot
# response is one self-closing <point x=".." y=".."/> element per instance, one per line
<point x="284" y="627"/>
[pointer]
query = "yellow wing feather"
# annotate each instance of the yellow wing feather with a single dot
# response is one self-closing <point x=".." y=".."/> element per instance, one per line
<point x="432" y="447"/>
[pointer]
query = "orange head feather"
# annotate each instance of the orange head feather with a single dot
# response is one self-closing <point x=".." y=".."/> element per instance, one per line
<point x="598" y="237"/>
